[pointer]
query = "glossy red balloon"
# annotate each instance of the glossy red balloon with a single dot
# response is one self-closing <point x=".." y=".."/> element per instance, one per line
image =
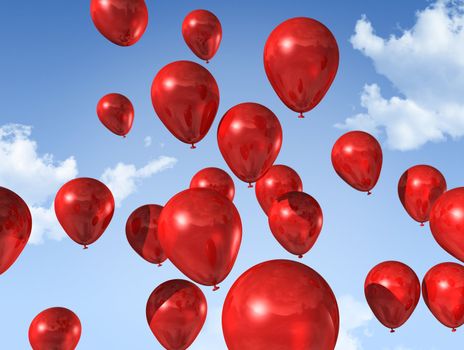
<point x="202" y="33"/>
<point x="84" y="207"/>
<point x="295" y="220"/>
<point x="176" y="312"/>
<point x="216" y="179"/>
<point x="301" y="61"/>
<point x="443" y="292"/>
<point x="142" y="233"/>
<point x="278" y="180"/>
<point x="447" y="222"/>
<point x="200" y="231"/>
<point x="419" y="187"/>
<point x="357" y="159"/>
<point x="186" y="99"/>
<point x="249" y="138"/>
<point x="280" y="304"/>
<point x="116" y="112"/>
<point x="122" y="22"/>
<point x="56" y="328"/>
<point x="15" y="227"/>
<point x="392" y="291"/>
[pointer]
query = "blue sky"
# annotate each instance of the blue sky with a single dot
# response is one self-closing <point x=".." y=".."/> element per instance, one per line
<point x="54" y="67"/>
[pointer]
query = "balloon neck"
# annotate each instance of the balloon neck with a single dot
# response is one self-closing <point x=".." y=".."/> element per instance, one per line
<point x="159" y="265"/>
<point x="250" y="185"/>
<point x="300" y="256"/>
<point x="207" y="61"/>
<point x="85" y="246"/>
<point x="392" y="330"/>
<point x="453" y="330"/>
<point x="422" y="224"/>
<point x="369" y="193"/>
<point x="124" y="136"/>
<point x="301" y="116"/>
<point x="215" y="288"/>
<point x="193" y="146"/>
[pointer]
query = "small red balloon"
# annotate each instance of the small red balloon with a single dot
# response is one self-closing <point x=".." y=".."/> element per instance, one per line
<point x="200" y="231"/>
<point x="447" y="222"/>
<point x="186" y="99"/>
<point x="357" y="159"/>
<point x="176" y="312"/>
<point x="202" y="33"/>
<point x="278" y="180"/>
<point x="280" y="304"/>
<point x="122" y="22"/>
<point x="301" y="61"/>
<point x="84" y="207"/>
<point x="443" y="292"/>
<point x="15" y="227"/>
<point x="249" y="137"/>
<point x="116" y="112"/>
<point x="392" y="291"/>
<point x="142" y="233"/>
<point x="216" y="179"/>
<point x="55" y="328"/>
<point x="295" y="220"/>
<point x="418" y="188"/>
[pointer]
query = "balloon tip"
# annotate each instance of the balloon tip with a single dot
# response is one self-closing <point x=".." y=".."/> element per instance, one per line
<point x="207" y="61"/>
<point x="392" y="330"/>
<point x="124" y="136"/>
<point x="422" y="224"/>
<point x="453" y="330"/>
<point x="300" y="256"/>
<point x="159" y="265"/>
<point x="193" y="146"/>
<point x="301" y="116"/>
<point x="250" y="185"/>
<point x="369" y="193"/>
<point x="85" y="247"/>
<point x="215" y="288"/>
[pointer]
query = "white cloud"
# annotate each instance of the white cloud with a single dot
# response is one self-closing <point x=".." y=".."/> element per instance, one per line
<point x="426" y="65"/>
<point x="123" y="179"/>
<point x="354" y="315"/>
<point x="45" y="225"/>
<point x="147" y="141"/>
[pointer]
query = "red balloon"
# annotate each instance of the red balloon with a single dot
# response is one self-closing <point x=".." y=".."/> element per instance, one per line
<point x="200" y="231"/>
<point x="186" y="99"/>
<point x="357" y="159"/>
<point x="419" y="187"/>
<point x="301" y="61"/>
<point x="278" y="180"/>
<point x="176" y="312"/>
<point x="447" y="222"/>
<point x="295" y="220"/>
<point x="84" y="207"/>
<point x="55" y="328"/>
<point x="249" y="137"/>
<point x="142" y="233"/>
<point x="443" y="292"/>
<point x="122" y="22"/>
<point x="202" y="33"/>
<point x="116" y="112"/>
<point x="15" y="227"/>
<point x="392" y="291"/>
<point x="280" y="304"/>
<point x="216" y="179"/>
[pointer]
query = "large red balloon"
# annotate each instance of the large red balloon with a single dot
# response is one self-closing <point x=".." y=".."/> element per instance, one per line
<point x="357" y="159"/>
<point x="278" y="180"/>
<point x="295" y="220"/>
<point x="392" y="291"/>
<point x="84" y="207"/>
<point x="443" y="292"/>
<point x="202" y="33"/>
<point x="200" y="231"/>
<point x="186" y="99"/>
<point x="122" y="22"/>
<point x="216" y="179"/>
<point x="116" y="112"/>
<point x="142" y="233"/>
<point x="301" y="61"/>
<point x="447" y="222"/>
<point x="280" y="304"/>
<point x="15" y="227"/>
<point x="418" y="188"/>
<point x="176" y="312"/>
<point x="56" y="328"/>
<point x="249" y="137"/>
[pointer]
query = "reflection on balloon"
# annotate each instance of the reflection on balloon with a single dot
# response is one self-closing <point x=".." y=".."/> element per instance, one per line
<point x="215" y="179"/>
<point x="116" y="112"/>
<point x="392" y="291"/>
<point x="176" y="312"/>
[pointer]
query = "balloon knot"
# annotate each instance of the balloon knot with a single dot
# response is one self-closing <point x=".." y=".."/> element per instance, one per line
<point x="301" y="116"/>
<point x="159" y="265"/>
<point x="215" y="288"/>
<point x="453" y="330"/>
<point x="422" y="224"/>
<point x="207" y="61"/>
<point x="392" y="330"/>
<point x="250" y="185"/>
<point x="369" y="193"/>
<point x="300" y="256"/>
<point x="193" y="146"/>
<point x="85" y="246"/>
<point x="124" y="136"/>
